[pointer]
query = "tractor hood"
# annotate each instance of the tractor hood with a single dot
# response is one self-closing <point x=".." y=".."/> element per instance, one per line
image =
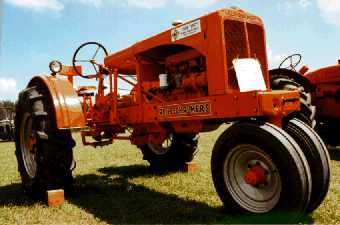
<point x="193" y="34"/>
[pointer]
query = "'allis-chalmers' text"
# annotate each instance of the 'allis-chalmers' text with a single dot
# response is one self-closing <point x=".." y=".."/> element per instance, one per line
<point x="185" y="110"/>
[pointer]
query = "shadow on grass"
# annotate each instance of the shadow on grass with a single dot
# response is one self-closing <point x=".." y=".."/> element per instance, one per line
<point x="113" y="199"/>
<point x="13" y="195"/>
<point x="116" y="200"/>
<point x="334" y="153"/>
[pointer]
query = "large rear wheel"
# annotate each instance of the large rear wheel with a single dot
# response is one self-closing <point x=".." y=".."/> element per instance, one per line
<point x="258" y="168"/>
<point x="176" y="150"/>
<point x="44" y="153"/>
<point x="307" y="111"/>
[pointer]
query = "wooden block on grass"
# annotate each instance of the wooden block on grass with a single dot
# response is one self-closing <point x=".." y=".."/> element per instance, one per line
<point x="55" y="197"/>
<point x="189" y="167"/>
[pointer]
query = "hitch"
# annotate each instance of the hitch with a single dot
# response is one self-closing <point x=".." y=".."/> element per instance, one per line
<point x="96" y="135"/>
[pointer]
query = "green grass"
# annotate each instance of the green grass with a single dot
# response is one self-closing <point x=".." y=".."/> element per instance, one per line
<point x="114" y="185"/>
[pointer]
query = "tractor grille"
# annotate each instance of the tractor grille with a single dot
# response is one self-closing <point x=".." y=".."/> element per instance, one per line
<point x="237" y="47"/>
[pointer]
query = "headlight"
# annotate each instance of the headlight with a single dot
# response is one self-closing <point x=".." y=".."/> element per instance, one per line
<point x="55" y="66"/>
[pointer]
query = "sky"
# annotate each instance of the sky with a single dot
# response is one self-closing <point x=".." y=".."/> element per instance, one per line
<point x="35" y="32"/>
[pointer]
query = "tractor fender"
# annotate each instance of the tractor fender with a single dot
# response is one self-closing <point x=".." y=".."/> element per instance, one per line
<point x="67" y="106"/>
<point x="324" y="75"/>
<point x="298" y="78"/>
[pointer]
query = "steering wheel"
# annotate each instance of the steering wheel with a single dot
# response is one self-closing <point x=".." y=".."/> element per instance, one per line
<point x="90" y="60"/>
<point x="292" y="65"/>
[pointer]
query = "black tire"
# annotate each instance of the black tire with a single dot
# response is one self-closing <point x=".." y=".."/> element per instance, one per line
<point x="317" y="156"/>
<point x="287" y="186"/>
<point x="47" y="166"/>
<point x="12" y="138"/>
<point x="307" y="111"/>
<point x="176" y="150"/>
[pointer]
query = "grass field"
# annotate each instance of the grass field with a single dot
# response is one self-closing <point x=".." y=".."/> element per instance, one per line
<point x="114" y="185"/>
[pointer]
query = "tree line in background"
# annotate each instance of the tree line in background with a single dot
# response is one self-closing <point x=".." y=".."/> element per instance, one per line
<point x="7" y="103"/>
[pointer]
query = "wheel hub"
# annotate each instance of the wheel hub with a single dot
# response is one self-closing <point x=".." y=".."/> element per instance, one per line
<point x="252" y="178"/>
<point x="164" y="147"/>
<point x="31" y="145"/>
<point x="255" y="176"/>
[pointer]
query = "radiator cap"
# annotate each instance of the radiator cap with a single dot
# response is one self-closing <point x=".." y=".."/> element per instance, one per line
<point x="177" y="22"/>
<point x="236" y="7"/>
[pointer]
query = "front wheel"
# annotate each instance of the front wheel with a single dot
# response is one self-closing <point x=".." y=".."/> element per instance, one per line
<point x="258" y="168"/>
<point x="43" y="152"/>
<point x="317" y="156"/>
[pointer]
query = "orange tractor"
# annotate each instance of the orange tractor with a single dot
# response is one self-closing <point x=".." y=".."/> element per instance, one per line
<point x="319" y="95"/>
<point x="189" y="79"/>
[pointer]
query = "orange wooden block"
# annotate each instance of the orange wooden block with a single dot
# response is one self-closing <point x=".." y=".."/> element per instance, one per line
<point x="189" y="167"/>
<point x="55" y="197"/>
